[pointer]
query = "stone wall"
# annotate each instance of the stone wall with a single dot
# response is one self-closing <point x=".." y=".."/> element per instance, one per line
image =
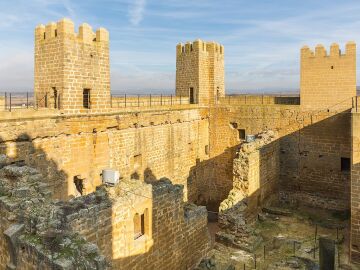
<point x="327" y="79"/>
<point x="200" y="65"/>
<point x="39" y="233"/>
<point x="355" y="185"/>
<point x="256" y="182"/>
<point x="175" y="234"/>
<point x="66" y="63"/>
<point x="160" y="143"/>
<point x="312" y="145"/>
<point x="34" y="233"/>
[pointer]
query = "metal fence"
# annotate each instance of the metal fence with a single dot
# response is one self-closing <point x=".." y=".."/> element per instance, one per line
<point x="16" y="100"/>
<point x="256" y="99"/>
<point x="143" y="100"/>
<point x="264" y="254"/>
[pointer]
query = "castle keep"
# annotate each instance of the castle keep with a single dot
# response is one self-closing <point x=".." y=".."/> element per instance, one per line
<point x="70" y="66"/>
<point x="180" y="157"/>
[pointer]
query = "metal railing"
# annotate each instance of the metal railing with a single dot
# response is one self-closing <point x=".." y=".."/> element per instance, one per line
<point x="143" y="100"/>
<point x="256" y="99"/>
<point x="24" y="100"/>
<point x="16" y="100"/>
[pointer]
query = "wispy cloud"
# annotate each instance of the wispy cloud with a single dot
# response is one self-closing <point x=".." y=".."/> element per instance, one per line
<point x="262" y="39"/>
<point x="136" y="11"/>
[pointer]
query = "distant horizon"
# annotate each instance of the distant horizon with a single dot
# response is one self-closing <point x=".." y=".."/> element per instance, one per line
<point x="262" y="39"/>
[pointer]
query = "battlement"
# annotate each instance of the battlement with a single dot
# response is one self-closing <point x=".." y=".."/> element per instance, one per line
<point x="65" y="29"/>
<point x="199" y="46"/>
<point x="320" y="51"/>
<point x="327" y="78"/>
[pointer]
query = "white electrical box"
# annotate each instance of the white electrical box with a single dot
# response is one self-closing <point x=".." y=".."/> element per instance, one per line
<point x="110" y="177"/>
<point x="250" y="138"/>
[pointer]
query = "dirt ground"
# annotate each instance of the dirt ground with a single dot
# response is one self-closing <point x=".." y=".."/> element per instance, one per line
<point x="288" y="242"/>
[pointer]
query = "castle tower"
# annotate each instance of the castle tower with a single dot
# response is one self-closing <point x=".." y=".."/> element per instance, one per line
<point x="200" y="71"/>
<point x="328" y="81"/>
<point x="72" y="71"/>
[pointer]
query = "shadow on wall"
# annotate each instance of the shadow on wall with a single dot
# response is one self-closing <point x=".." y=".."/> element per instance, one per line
<point x="315" y="163"/>
<point x="310" y="166"/>
<point x="210" y="181"/>
<point x="24" y="151"/>
<point x="314" y="166"/>
<point x="147" y="226"/>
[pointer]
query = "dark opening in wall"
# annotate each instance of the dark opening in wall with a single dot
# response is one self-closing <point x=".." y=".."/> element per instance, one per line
<point x="345" y="164"/>
<point x="241" y="134"/>
<point x="55" y="32"/>
<point x="55" y="96"/>
<point x="233" y="125"/>
<point x="139" y="225"/>
<point x="79" y="184"/>
<point x="86" y="98"/>
<point x="206" y="149"/>
<point x="192" y="95"/>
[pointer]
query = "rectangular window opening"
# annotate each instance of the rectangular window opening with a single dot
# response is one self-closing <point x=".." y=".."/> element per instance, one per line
<point x="192" y="95"/>
<point x="345" y="164"/>
<point x="139" y="225"/>
<point x="241" y="134"/>
<point x="86" y="98"/>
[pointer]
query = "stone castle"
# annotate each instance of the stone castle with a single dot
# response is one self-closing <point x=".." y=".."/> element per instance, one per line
<point x="179" y="157"/>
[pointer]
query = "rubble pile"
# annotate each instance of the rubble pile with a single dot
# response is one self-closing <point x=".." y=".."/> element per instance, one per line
<point x="42" y="222"/>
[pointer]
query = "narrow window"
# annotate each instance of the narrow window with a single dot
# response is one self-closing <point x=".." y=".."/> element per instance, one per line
<point x="44" y="35"/>
<point x="86" y="98"/>
<point x="345" y="164"/>
<point x="139" y="225"/>
<point x="206" y="149"/>
<point x="55" y="32"/>
<point x="192" y="95"/>
<point x="241" y="134"/>
<point x="55" y="96"/>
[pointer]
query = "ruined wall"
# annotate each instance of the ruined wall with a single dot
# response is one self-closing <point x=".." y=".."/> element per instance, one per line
<point x="157" y="143"/>
<point x="69" y="63"/>
<point x="41" y="233"/>
<point x="200" y="65"/>
<point x="256" y="181"/>
<point x="4" y="224"/>
<point x="175" y="237"/>
<point x="355" y="184"/>
<point x="327" y="79"/>
<point x="312" y="145"/>
<point x="34" y="232"/>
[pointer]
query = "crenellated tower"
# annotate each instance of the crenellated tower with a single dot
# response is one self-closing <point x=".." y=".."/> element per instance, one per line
<point x="200" y="71"/>
<point x="327" y="81"/>
<point x="72" y="71"/>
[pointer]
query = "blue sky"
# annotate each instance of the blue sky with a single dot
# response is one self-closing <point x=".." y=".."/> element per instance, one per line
<point x="262" y="39"/>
